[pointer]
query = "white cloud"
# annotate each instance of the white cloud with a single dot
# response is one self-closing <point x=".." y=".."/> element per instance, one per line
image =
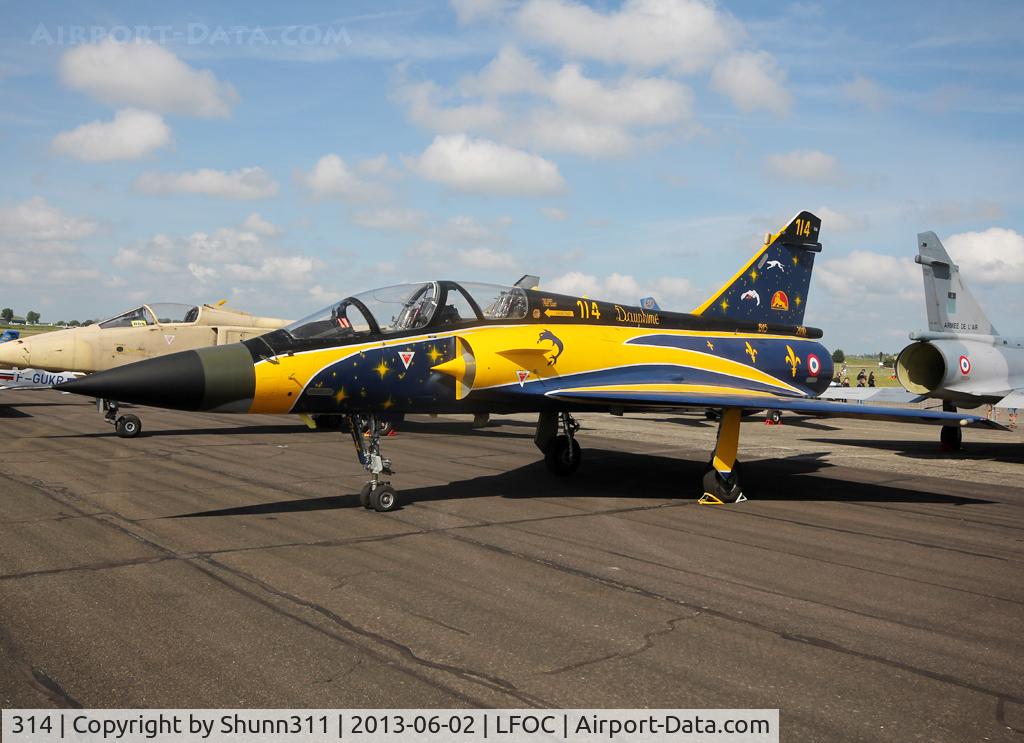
<point x="146" y="75"/>
<point x="866" y="275"/>
<point x="669" y="291"/>
<point x="403" y="220"/>
<point x="256" y="223"/>
<point x="482" y="166"/>
<point x="486" y="259"/>
<point x="834" y="221"/>
<point x="331" y="177"/>
<point x="131" y="135"/>
<point x="424" y="104"/>
<point x="510" y="72"/>
<point x="867" y="93"/>
<point x="684" y="35"/>
<point x="471" y="11"/>
<point x="245" y="183"/>
<point x="289" y="270"/>
<point x="753" y="81"/>
<point x="554" y="213"/>
<point x="995" y="256"/>
<point x="466" y="229"/>
<point x="38" y="246"/>
<point x="37" y="219"/>
<point x="639" y="101"/>
<point x="244" y="254"/>
<point x="804" y="165"/>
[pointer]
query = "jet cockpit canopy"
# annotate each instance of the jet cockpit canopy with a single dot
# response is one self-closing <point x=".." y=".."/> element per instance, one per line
<point x="411" y="307"/>
<point x="159" y="313"/>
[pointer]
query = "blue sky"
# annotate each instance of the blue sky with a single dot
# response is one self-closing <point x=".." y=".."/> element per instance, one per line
<point x="281" y="157"/>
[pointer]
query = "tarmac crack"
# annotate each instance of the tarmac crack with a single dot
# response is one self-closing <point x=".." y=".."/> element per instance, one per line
<point x="854" y="532"/>
<point x="493" y="682"/>
<point x="196" y="562"/>
<point x="646" y="644"/>
<point x="825" y="561"/>
<point x="725" y="616"/>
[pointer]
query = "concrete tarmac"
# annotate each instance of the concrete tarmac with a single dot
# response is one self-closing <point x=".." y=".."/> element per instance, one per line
<point x="871" y="588"/>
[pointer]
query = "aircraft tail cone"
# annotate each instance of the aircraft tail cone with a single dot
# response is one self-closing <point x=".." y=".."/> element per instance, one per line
<point x="220" y="378"/>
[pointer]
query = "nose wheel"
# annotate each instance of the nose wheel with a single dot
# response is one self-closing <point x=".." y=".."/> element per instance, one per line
<point x="377" y="493"/>
<point x="125" y="426"/>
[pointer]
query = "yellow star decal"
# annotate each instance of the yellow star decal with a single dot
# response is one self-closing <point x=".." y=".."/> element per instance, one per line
<point x="754" y="274"/>
<point x="341" y="395"/>
<point x="387" y="403"/>
<point x="798" y="301"/>
<point x="382" y="368"/>
<point x="796" y="260"/>
<point x="434" y="354"/>
<point x="724" y="304"/>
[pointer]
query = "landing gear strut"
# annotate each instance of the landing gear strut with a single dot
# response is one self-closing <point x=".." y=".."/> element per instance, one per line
<point x="951" y="437"/>
<point x="125" y="426"/>
<point x="562" y="454"/>
<point x="377" y="493"/>
<point x="722" y="477"/>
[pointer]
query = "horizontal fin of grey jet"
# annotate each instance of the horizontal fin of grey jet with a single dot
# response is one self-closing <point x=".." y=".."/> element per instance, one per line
<point x="875" y="394"/>
<point x="1014" y="400"/>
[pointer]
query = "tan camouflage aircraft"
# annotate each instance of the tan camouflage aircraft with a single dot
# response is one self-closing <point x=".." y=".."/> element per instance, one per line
<point x="144" y="332"/>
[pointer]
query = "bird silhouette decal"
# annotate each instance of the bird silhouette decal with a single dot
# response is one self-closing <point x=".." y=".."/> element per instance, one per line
<point x="556" y="342"/>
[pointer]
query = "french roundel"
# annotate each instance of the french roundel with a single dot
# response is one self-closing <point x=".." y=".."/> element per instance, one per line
<point x="813" y="365"/>
<point x="965" y="365"/>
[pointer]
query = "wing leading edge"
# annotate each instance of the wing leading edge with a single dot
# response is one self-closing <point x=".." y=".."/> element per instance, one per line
<point x="667" y="400"/>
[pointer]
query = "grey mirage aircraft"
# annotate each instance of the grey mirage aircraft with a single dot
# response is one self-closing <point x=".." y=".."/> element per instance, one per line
<point x="961" y="359"/>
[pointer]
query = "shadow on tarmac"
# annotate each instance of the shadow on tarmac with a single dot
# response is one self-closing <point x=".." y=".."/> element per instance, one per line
<point x="615" y="474"/>
<point x="1012" y="452"/>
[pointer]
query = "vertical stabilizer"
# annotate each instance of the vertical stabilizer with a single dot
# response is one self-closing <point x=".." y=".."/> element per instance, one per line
<point x="772" y="286"/>
<point x="951" y="306"/>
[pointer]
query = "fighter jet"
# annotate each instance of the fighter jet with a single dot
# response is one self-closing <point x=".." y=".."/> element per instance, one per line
<point x="140" y="333"/>
<point x="451" y="346"/>
<point x="962" y="359"/>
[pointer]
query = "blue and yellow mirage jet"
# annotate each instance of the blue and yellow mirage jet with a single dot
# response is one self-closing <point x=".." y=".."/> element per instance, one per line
<point x="458" y="347"/>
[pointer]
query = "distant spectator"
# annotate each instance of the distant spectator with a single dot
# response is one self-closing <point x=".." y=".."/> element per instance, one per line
<point x="862" y="376"/>
<point x="871" y="379"/>
<point x="846" y="381"/>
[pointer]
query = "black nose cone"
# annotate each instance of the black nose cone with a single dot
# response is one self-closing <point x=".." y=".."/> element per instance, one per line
<point x="217" y="378"/>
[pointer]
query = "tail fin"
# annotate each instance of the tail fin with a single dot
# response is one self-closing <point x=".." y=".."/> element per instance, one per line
<point x="951" y="306"/>
<point x="772" y="286"/>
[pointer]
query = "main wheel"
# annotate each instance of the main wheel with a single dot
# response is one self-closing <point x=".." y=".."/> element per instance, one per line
<point x="128" y="426"/>
<point x="775" y="416"/>
<point x="951" y="438"/>
<point x="383" y="498"/>
<point x="560" y="458"/>
<point x="723" y="488"/>
<point x="364" y="495"/>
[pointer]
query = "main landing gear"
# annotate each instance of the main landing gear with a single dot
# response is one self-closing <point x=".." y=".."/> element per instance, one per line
<point x="125" y="426"/>
<point x="562" y="452"/>
<point x="721" y="479"/>
<point x="377" y="493"/>
<point x="951" y="437"/>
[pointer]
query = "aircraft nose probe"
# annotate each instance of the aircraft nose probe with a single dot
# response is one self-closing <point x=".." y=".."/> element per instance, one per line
<point x="220" y="378"/>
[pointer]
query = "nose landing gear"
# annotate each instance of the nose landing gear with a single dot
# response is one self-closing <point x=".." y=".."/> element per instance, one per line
<point x="377" y="493"/>
<point x="126" y="426"/>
